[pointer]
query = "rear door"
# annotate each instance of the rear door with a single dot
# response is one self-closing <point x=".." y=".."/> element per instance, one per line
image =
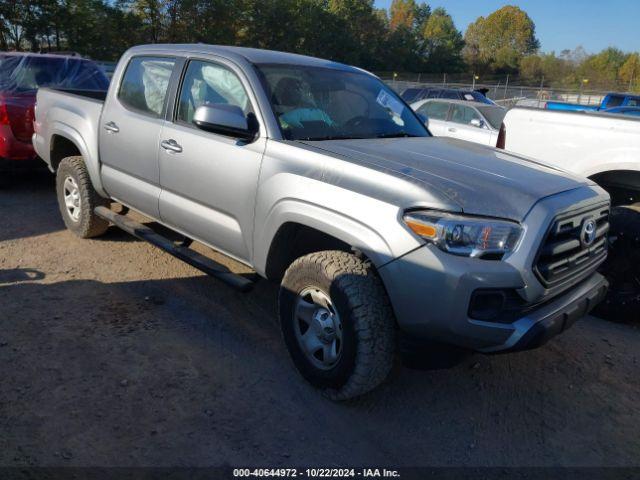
<point x="209" y="181"/>
<point x="130" y="130"/>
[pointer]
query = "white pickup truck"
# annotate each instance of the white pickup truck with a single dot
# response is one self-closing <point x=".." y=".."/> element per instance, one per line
<point x="606" y="149"/>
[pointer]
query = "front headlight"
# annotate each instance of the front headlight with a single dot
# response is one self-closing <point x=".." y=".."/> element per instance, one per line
<point x="464" y="235"/>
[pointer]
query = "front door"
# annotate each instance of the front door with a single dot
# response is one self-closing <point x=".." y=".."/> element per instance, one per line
<point x="460" y="126"/>
<point x="209" y="181"/>
<point x="130" y="130"/>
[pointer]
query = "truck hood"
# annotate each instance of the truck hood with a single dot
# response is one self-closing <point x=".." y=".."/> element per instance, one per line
<point x="481" y="180"/>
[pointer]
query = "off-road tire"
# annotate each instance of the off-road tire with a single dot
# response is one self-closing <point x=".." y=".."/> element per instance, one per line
<point x="622" y="267"/>
<point x="368" y="323"/>
<point x="88" y="224"/>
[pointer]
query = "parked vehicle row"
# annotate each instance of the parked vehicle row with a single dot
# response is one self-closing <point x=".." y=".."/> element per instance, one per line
<point x="319" y="176"/>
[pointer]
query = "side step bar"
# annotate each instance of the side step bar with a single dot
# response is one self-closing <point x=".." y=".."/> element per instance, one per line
<point x="193" y="258"/>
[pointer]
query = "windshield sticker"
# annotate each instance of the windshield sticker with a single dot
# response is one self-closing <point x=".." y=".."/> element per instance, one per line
<point x="468" y="96"/>
<point x="390" y="103"/>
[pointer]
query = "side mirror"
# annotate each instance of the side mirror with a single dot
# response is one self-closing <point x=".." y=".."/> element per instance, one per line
<point x="424" y="119"/>
<point x="476" y="122"/>
<point x="227" y="120"/>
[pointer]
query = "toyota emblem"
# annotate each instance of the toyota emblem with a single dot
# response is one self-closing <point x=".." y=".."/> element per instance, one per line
<point x="588" y="232"/>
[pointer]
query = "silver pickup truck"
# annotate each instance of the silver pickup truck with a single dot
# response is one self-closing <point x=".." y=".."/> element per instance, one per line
<point x="317" y="175"/>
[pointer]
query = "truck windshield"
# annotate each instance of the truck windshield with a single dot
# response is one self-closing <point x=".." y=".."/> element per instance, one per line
<point x="315" y="103"/>
<point x="22" y="73"/>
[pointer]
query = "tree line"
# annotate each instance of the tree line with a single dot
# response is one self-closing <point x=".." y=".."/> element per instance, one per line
<point x="410" y="36"/>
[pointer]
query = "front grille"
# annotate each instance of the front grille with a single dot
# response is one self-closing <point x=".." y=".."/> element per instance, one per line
<point x="564" y="256"/>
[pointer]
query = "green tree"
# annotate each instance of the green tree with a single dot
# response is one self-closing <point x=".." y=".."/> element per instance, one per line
<point x="405" y="43"/>
<point x="12" y="14"/>
<point x="555" y="70"/>
<point x="402" y="13"/>
<point x="153" y="15"/>
<point x="601" y="69"/>
<point x="499" y="42"/>
<point x="360" y="32"/>
<point x="630" y="72"/>
<point x="471" y="52"/>
<point x="443" y="43"/>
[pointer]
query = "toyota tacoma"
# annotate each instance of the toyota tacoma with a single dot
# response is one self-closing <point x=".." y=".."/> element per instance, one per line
<point x="317" y="175"/>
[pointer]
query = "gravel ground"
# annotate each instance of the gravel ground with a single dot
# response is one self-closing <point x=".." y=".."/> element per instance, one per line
<point x="113" y="353"/>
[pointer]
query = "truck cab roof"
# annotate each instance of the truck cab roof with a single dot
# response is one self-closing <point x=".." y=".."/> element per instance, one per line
<point x="250" y="55"/>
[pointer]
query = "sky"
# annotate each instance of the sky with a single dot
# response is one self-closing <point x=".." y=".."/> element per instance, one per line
<point x="560" y="24"/>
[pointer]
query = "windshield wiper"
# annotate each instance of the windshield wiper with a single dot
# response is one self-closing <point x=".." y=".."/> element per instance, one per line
<point x="395" y="135"/>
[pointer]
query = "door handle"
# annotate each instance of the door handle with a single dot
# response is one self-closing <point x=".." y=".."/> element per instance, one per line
<point x="451" y="129"/>
<point x="111" y="127"/>
<point x="171" y="146"/>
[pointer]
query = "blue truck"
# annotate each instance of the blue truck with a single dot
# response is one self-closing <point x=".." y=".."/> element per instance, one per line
<point x="610" y="101"/>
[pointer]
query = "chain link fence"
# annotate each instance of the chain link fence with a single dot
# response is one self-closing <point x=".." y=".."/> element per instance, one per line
<point x="503" y="90"/>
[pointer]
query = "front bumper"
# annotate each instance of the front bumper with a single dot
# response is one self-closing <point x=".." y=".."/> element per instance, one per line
<point x="539" y="326"/>
<point x="431" y="292"/>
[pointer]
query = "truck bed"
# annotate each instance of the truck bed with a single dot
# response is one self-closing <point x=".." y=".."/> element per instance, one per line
<point x="75" y="112"/>
<point x="100" y="95"/>
<point x="584" y="143"/>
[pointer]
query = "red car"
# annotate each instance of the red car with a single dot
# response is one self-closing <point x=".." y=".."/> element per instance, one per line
<point x="21" y="74"/>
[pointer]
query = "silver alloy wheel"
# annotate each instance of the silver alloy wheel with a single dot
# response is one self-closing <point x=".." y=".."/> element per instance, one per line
<point x="72" y="198"/>
<point x="318" y="328"/>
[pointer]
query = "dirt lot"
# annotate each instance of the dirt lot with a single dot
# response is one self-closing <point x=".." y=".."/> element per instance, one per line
<point x="113" y="353"/>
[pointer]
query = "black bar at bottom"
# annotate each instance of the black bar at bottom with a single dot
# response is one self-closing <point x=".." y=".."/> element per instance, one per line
<point x="193" y="258"/>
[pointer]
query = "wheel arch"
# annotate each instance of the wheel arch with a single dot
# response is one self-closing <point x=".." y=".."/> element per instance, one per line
<point x="66" y="141"/>
<point x="303" y="228"/>
<point x="622" y="184"/>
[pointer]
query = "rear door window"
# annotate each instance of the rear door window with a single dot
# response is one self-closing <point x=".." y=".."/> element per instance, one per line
<point x="145" y="84"/>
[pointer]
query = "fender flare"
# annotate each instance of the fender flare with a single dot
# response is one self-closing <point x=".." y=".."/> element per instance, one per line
<point x="611" y="167"/>
<point x="90" y="160"/>
<point x="335" y="224"/>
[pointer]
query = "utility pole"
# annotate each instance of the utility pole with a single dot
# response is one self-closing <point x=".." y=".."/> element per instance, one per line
<point x="540" y="92"/>
<point x="505" y="88"/>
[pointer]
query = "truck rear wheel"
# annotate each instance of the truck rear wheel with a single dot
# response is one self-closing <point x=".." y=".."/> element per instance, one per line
<point x="622" y="267"/>
<point x="337" y="323"/>
<point x="77" y="199"/>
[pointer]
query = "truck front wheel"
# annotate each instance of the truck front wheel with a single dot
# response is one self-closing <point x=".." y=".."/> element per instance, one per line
<point x="337" y="323"/>
<point x="77" y="199"/>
